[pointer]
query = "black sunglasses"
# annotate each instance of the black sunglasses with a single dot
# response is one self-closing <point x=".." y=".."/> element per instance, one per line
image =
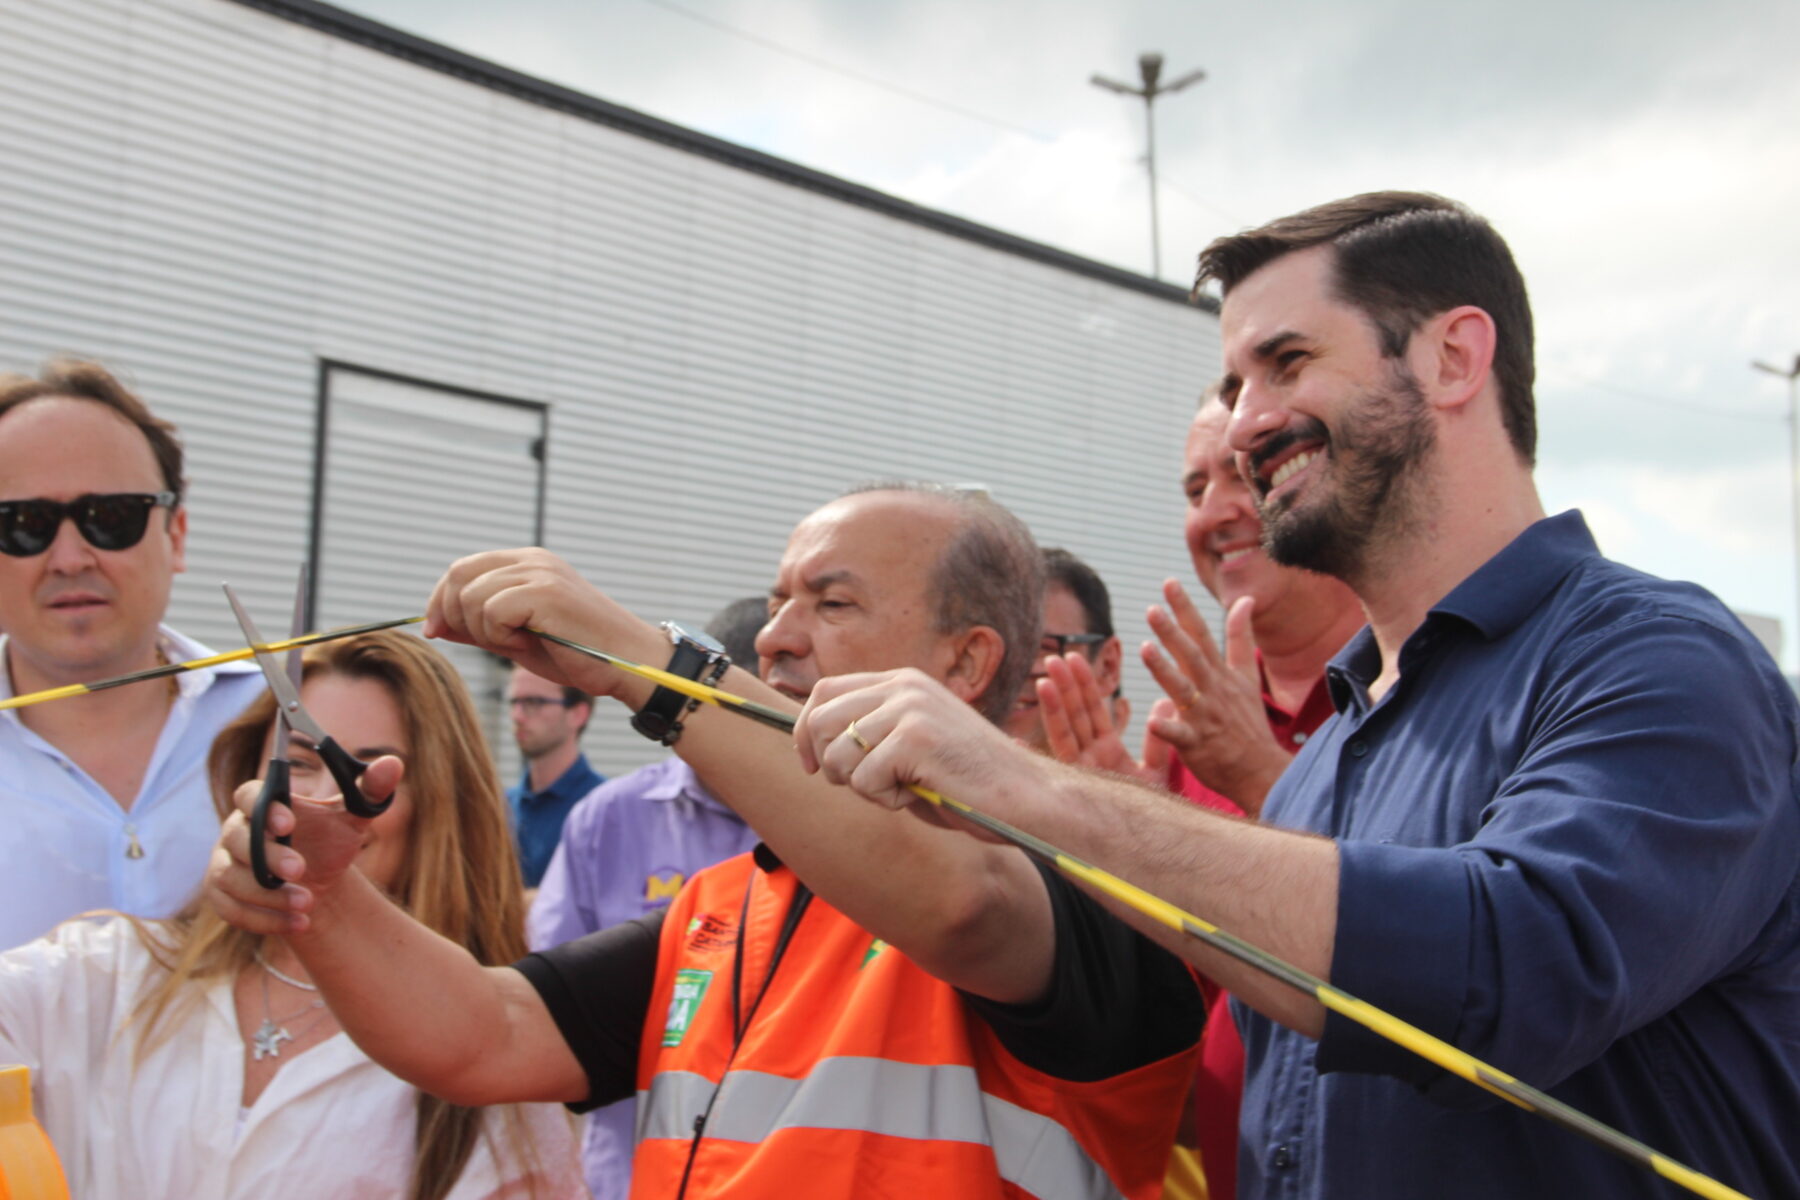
<point x="111" y="522"/>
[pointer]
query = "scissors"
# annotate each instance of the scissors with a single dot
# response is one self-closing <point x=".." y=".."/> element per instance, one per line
<point x="284" y="682"/>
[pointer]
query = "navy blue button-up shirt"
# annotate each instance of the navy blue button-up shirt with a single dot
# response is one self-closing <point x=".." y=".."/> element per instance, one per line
<point x="538" y="816"/>
<point x="1569" y="840"/>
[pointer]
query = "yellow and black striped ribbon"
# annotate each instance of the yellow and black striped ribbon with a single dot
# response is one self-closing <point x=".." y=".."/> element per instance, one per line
<point x="199" y="664"/>
<point x="1432" y="1049"/>
<point x="1411" y="1037"/>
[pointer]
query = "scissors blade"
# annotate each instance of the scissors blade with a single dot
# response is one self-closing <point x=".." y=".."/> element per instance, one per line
<point x="295" y="664"/>
<point x="287" y="696"/>
<point x="280" y="751"/>
<point x="302" y="618"/>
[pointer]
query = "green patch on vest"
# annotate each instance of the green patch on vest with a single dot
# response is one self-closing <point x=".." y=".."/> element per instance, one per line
<point x="875" y="947"/>
<point x="690" y="989"/>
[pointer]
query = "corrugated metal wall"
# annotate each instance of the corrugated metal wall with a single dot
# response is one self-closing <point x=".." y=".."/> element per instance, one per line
<point x="216" y="200"/>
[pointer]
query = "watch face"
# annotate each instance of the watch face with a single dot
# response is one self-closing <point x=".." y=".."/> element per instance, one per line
<point x="679" y="633"/>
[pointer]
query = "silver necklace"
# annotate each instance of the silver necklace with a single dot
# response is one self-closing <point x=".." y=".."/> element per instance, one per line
<point x="266" y="1041"/>
<point x="287" y="979"/>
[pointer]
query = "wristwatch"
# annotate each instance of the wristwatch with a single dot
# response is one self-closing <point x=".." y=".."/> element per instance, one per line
<point x="696" y="657"/>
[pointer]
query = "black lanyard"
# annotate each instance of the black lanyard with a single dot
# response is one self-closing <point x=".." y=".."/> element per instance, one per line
<point x="740" y="1020"/>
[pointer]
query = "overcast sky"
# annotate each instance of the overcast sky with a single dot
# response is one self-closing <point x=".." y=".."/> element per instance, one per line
<point x="1641" y="156"/>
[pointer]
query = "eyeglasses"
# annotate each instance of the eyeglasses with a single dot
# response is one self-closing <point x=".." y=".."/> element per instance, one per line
<point x="114" y="521"/>
<point x="1059" y="643"/>
<point x="534" y="704"/>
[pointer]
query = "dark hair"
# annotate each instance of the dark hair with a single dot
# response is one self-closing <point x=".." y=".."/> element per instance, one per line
<point x="1063" y="569"/>
<point x="990" y="573"/>
<point x="1402" y="258"/>
<point x="735" y="627"/>
<point x="91" y="381"/>
<point x="573" y="696"/>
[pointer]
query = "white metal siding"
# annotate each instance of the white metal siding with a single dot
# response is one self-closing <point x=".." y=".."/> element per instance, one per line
<point x="412" y="477"/>
<point x="216" y="200"/>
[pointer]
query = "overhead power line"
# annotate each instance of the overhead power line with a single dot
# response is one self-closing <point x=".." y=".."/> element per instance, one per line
<point x="826" y="65"/>
<point x="907" y="93"/>
<point x="1709" y="410"/>
<point x="1208" y="205"/>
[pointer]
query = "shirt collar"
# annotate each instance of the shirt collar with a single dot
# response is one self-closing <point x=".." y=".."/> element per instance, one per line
<point x="1494" y="600"/>
<point x="1352" y="669"/>
<point x="1508" y="587"/>
<point x="577" y="781"/>
<point x="176" y="647"/>
<point x="677" y="779"/>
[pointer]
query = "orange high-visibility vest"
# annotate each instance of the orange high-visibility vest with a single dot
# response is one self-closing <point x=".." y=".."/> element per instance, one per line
<point x="856" y="1074"/>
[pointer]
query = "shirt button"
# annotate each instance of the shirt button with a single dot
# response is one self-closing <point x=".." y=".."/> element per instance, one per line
<point x="1358" y="748"/>
<point x="1299" y="738"/>
<point x="1283" y="1158"/>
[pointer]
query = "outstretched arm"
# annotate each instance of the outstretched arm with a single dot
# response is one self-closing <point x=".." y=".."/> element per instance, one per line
<point x="974" y="914"/>
<point x="417" y="1003"/>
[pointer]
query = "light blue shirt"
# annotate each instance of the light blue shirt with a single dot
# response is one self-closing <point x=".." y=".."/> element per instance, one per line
<point x="65" y="844"/>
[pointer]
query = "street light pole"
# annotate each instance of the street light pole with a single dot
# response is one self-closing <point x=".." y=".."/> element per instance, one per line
<point x="1150" y="68"/>
<point x="1792" y="375"/>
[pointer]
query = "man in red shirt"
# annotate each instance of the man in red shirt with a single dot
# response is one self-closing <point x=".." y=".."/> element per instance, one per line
<point x="1230" y="722"/>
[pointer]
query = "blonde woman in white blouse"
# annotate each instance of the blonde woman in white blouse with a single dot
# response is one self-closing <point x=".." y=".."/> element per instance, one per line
<point x="185" y="1058"/>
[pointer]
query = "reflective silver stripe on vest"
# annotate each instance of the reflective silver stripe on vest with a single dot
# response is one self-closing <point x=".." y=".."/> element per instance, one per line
<point x="933" y="1103"/>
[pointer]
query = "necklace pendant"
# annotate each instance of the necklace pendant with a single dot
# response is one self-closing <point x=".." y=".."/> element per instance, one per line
<point x="267" y="1039"/>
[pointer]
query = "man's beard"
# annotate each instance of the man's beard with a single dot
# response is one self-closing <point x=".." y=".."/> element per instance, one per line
<point x="539" y="745"/>
<point x="1375" y="466"/>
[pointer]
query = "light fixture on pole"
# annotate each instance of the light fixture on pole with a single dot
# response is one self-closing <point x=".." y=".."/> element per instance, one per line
<point x="1150" y="67"/>
<point x="1792" y="375"/>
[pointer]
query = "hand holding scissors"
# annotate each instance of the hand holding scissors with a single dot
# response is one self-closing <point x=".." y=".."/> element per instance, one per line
<point x="345" y="768"/>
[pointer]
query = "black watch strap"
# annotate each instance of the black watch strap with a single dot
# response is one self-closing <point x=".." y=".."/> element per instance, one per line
<point x="696" y="657"/>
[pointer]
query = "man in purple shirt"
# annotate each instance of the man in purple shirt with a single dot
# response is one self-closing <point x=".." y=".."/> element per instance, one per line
<point x="626" y="849"/>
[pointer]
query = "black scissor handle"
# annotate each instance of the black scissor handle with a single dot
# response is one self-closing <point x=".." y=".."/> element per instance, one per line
<point x="347" y="770"/>
<point x="275" y="787"/>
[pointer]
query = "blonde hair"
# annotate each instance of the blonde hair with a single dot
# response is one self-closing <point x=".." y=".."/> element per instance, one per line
<point x="460" y="876"/>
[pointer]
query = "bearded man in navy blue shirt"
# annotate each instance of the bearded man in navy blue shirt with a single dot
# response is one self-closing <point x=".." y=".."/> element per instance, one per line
<point x="1554" y="820"/>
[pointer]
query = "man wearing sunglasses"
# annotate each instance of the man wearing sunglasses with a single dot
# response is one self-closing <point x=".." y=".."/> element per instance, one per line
<point x="103" y="798"/>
